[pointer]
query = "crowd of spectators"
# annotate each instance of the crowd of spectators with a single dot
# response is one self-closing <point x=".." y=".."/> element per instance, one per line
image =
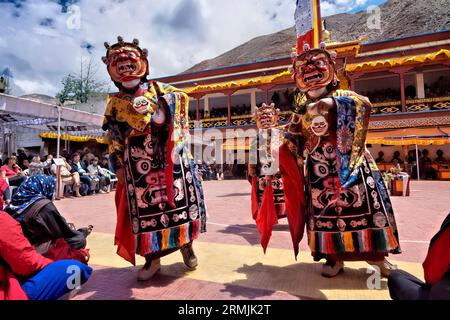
<point x="425" y="162"/>
<point x="37" y="244"/>
<point x="283" y="101"/>
<point x="82" y="173"/>
<point x="440" y="88"/>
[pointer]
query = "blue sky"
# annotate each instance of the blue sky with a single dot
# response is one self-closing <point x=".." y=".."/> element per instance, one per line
<point x="41" y="40"/>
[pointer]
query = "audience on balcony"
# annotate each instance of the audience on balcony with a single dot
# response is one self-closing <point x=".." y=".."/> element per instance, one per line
<point x="440" y="88"/>
<point x="383" y="95"/>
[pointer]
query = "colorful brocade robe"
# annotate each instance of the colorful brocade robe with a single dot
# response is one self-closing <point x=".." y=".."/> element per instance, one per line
<point x="349" y="213"/>
<point x="164" y="204"/>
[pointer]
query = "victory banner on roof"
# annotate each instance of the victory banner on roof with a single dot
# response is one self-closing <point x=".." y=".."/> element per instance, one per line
<point x="307" y="23"/>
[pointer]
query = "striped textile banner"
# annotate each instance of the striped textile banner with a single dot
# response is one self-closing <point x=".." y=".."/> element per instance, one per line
<point x="308" y="23"/>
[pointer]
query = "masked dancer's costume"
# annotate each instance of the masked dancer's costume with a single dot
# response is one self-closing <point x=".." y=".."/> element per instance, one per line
<point x="349" y="214"/>
<point x="276" y="177"/>
<point x="159" y="198"/>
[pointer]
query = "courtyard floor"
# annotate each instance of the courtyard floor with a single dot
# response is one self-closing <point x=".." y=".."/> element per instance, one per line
<point x="232" y="264"/>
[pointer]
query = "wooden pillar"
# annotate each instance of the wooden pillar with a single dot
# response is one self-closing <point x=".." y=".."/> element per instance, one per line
<point x="420" y="85"/>
<point x="229" y="107"/>
<point x="266" y="89"/>
<point x="353" y="78"/>
<point x="253" y="101"/>
<point x="229" y="93"/>
<point x="401" y="74"/>
<point x="402" y="90"/>
<point x="197" y="108"/>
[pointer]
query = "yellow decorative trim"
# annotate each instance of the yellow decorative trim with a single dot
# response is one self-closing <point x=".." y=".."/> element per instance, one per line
<point x="390" y="63"/>
<point x="68" y="137"/>
<point x="239" y="84"/>
<point x="409" y="141"/>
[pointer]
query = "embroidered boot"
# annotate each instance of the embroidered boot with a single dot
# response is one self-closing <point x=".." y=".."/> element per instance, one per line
<point x="149" y="269"/>
<point x="332" y="269"/>
<point x="385" y="267"/>
<point x="189" y="258"/>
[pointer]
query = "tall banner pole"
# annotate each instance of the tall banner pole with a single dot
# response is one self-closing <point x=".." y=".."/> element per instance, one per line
<point x="308" y="24"/>
<point x="318" y="26"/>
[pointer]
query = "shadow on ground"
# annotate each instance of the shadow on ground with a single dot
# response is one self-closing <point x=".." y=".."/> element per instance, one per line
<point x="249" y="231"/>
<point x="234" y="195"/>
<point x="302" y="280"/>
<point x="121" y="283"/>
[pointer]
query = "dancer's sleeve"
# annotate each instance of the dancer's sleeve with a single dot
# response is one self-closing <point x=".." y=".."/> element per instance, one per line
<point x="116" y="138"/>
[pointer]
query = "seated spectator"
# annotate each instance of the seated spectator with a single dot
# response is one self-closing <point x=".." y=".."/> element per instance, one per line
<point x="105" y="163"/>
<point x="41" y="221"/>
<point x="26" y="164"/>
<point x="21" y="157"/>
<point x="40" y="278"/>
<point x="440" y="157"/>
<point x="436" y="267"/>
<point x="426" y="170"/>
<point x="69" y="178"/>
<point x="87" y="156"/>
<point x="13" y="172"/>
<point x="97" y="173"/>
<point x="380" y="158"/>
<point x="37" y="167"/>
<point x="85" y="177"/>
<point x="396" y="159"/>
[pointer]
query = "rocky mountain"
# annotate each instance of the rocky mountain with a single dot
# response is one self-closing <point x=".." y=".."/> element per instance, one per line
<point x="399" y="18"/>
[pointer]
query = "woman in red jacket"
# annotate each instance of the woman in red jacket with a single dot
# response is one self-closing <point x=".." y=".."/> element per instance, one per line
<point x="436" y="267"/>
<point x="25" y="274"/>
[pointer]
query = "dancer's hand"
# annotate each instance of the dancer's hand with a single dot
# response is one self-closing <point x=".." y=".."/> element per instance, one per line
<point x="252" y="171"/>
<point x="321" y="106"/>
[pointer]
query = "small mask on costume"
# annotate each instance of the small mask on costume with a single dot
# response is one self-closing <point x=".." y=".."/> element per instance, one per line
<point x="314" y="69"/>
<point x="319" y="126"/>
<point x="141" y="105"/>
<point x="266" y="117"/>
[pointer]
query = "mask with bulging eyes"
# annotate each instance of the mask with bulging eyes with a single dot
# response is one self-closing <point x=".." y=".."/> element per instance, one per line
<point x="319" y="126"/>
<point x="314" y="69"/>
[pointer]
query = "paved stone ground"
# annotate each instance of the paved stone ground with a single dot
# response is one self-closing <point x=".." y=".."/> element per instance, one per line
<point x="232" y="264"/>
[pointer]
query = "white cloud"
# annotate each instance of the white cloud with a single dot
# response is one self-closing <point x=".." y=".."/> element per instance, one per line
<point x="30" y="86"/>
<point x="177" y="34"/>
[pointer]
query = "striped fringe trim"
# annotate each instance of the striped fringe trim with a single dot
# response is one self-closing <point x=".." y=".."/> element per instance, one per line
<point x="150" y="242"/>
<point x="368" y="240"/>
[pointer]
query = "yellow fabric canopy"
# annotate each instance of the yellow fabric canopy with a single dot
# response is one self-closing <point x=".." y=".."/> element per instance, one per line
<point x="239" y="84"/>
<point x="410" y="136"/>
<point x="396" y="62"/>
<point x="52" y="135"/>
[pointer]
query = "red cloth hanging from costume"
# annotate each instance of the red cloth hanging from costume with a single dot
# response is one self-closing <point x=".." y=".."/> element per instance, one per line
<point x="266" y="217"/>
<point x="124" y="239"/>
<point x="293" y="186"/>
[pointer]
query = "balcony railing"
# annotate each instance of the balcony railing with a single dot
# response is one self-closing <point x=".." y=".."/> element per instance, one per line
<point x="413" y="105"/>
<point x="246" y="120"/>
